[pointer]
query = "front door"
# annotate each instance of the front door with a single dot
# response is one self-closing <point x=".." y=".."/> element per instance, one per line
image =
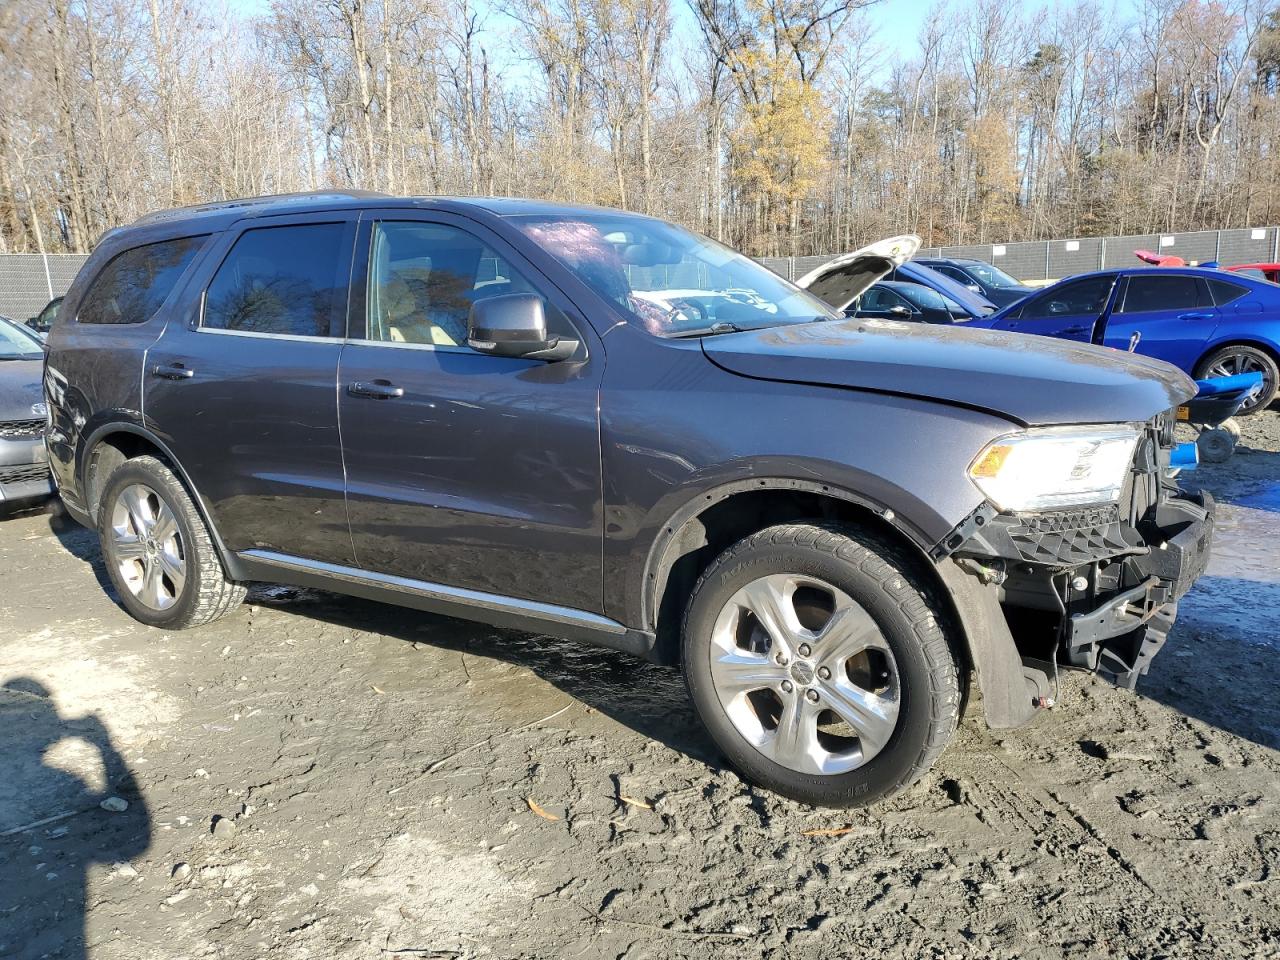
<point x="1069" y="310"/>
<point x="242" y="386"/>
<point x="1169" y="315"/>
<point x="463" y="469"/>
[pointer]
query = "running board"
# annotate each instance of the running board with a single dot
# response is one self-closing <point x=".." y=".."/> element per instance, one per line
<point x="531" y="616"/>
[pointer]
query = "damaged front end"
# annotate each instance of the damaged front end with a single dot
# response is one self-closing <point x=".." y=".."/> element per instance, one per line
<point x="1093" y="588"/>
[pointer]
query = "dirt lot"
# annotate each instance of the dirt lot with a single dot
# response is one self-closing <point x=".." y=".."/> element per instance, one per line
<point x="322" y="777"/>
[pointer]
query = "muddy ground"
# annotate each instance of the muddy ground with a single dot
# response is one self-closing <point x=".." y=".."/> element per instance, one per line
<point x="392" y="784"/>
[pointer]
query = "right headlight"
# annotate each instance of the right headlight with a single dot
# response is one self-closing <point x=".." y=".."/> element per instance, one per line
<point x="1052" y="468"/>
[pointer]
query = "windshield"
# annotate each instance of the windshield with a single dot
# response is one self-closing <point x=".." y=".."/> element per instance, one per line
<point x="667" y="280"/>
<point x="17" y="345"/>
<point x="992" y="276"/>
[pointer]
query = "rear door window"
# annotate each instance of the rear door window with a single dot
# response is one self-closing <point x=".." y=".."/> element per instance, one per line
<point x="1149" y="293"/>
<point x="133" y="285"/>
<point x="283" y="281"/>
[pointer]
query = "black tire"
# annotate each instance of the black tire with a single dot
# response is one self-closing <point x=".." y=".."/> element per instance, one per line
<point x="1238" y="356"/>
<point x="206" y="593"/>
<point x="878" y="576"/>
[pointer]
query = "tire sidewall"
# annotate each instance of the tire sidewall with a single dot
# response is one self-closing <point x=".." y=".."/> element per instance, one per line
<point x="159" y="480"/>
<point x="892" y="765"/>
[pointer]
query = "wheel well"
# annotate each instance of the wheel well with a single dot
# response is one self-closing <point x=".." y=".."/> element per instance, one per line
<point x="693" y="545"/>
<point x="1256" y="344"/>
<point x="107" y="454"/>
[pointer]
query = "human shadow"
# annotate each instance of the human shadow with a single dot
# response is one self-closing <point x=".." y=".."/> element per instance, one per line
<point x="53" y="827"/>
<point x="643" y="696"/>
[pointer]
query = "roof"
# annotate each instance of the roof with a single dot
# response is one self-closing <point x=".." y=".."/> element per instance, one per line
<point x="322" y="200"/>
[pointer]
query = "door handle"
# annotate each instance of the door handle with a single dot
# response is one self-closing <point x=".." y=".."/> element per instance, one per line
<point x="1075" y="330"/>
<point x="173" y="371"/>
<point x="375" y="389"/>
<point x="1195" y="316"/>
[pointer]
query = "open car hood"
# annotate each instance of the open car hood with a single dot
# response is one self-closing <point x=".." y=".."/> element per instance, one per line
<point x="840" y="281"/>
<point x="1034" y="381"/>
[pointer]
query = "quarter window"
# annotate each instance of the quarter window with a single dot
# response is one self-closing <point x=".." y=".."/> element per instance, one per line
<point x="1224" y="292"/>
<point x="132" y="286"/>
<point x="281" y="280"/>
<point x="1163" y="293"/>
<point x="424" y="278"/>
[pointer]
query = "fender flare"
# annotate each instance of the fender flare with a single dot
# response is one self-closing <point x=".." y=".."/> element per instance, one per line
<point x="661" y="557"/>
<point x="102" y="431"/>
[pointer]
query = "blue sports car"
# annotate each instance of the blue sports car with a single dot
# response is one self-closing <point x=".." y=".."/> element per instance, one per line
<point x="1208" y="322"/>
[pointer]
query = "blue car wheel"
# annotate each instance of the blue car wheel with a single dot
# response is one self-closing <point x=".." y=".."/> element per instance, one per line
<point x="1240" y="358"/>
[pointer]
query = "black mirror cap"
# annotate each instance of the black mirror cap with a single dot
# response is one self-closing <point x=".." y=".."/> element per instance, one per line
<point x="515" y="325"/>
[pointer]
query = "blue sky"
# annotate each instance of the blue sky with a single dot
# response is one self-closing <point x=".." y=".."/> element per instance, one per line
<point x="896" y="23"/>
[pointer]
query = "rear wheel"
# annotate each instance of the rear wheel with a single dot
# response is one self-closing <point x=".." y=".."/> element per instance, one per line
<point x="159" y="553"/>
<point x="1239" y="358"/>
<point x="816" y="661"/>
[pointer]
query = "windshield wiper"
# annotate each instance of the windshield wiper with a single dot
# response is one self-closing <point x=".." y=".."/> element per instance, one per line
<point x="720" y="326"/>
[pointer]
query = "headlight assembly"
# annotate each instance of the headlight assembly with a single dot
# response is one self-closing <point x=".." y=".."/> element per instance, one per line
<point x="1048" y="469"/>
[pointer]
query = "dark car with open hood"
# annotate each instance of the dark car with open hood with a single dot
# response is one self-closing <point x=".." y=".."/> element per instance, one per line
<point x="24" y="467"/>
<point x="598" y="425"/>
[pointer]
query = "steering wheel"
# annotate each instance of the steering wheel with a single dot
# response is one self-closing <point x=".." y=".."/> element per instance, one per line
<point x="688" y="310"/>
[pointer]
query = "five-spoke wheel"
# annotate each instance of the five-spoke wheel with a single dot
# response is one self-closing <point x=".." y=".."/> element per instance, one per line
<point x="820" y="660"/>
<point x="148" y="547"/>
<point x="804" y="674"/>
<point x="159" y="552"/>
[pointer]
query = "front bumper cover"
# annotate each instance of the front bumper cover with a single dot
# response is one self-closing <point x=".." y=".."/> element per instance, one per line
<point x="24" y="470"/>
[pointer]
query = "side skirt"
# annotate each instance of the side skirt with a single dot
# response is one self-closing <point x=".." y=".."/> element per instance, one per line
<point x="530" y="616"/>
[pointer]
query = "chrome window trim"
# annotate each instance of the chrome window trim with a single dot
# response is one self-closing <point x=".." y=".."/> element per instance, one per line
<point x="258" y="335"/>
<point x="406" y="345"/>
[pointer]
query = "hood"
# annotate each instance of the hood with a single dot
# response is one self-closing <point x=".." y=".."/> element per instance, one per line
<point x="1032" y="381"/>
<point x="838" y="282"/>
<point x="20" y="387"/>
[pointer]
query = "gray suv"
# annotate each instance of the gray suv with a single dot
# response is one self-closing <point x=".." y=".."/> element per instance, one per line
<point x="598" y="425"/>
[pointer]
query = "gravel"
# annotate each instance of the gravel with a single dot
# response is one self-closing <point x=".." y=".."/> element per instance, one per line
<point x="395" y="765"/>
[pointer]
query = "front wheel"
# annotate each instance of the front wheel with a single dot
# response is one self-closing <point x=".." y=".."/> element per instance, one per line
<point x="818" y="661"/>
<point x="1239" y="358"/>
<point x="159" y="553"/>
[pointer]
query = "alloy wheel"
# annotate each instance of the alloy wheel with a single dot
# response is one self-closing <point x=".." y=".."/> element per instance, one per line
<point x="147" y="547"/>
<point x="1232" y="364"/>
<point x="804" y="674"/>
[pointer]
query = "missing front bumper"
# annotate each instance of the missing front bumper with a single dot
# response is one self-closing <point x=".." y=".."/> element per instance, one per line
<point x="1122" y="635"/>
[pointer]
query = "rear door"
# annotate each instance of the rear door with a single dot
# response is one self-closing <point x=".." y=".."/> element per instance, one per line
<point x="95" y="350"/>
<point x="1069" y="310"/>
<point x="1170" y="314"/>
<point x="242" y="385"/>
<point x="467" y="470"/>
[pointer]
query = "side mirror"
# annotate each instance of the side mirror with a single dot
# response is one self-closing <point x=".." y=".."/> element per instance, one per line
<point x="899" y="311"/>
<point x="515" y="325"/>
